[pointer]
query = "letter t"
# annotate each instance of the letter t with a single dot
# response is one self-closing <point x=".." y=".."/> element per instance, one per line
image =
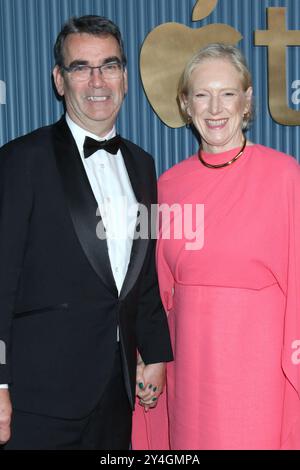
<point x="277" y="38"/>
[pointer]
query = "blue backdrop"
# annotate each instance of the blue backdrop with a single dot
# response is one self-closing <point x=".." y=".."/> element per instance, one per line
<point x="28" y="29"/>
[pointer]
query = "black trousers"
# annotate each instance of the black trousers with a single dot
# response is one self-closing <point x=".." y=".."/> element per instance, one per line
<point x="108" y="427"/>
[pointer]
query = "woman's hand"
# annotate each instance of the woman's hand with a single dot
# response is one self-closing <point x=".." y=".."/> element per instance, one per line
<point x="150" y="383"/>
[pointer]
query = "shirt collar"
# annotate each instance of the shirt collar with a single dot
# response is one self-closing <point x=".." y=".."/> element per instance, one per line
<point x="79" y="133"/>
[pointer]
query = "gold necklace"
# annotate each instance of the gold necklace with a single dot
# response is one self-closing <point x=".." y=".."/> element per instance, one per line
<point x="222" y="165"/>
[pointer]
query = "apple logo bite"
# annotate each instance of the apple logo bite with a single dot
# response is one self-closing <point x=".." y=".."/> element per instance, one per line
<point x="165" y="52"/>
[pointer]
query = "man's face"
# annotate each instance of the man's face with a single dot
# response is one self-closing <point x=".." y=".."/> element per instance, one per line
<point x="93" y="104"/>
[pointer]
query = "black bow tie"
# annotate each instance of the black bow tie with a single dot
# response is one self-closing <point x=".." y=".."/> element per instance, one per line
<point x="91" y="146"/>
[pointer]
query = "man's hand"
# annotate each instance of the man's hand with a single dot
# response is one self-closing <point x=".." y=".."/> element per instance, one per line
<point x="5" y="415"/>
<point x="150" y="383"/>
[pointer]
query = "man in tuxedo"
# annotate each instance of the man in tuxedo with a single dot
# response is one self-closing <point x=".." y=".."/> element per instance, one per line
<point x="78" y="293"/>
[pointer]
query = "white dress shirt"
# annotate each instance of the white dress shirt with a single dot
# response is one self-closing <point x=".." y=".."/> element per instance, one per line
<point x="115" y="198"/>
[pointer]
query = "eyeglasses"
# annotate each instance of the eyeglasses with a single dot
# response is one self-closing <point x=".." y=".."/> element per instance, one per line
<point x="81" y="73"/>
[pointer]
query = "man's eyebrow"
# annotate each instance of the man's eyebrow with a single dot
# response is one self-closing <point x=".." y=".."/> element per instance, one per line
<point x="107" y="60"/>
<point x="78" y="62"/>
<point x="112" y="59"/>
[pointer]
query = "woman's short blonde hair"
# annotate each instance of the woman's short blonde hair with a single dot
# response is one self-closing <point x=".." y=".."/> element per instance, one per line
<point x="214" y="51"/>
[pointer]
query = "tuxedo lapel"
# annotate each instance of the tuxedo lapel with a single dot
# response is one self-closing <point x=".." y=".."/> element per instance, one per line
<point x="82" y="203"/>
<point x="139" y="245"/>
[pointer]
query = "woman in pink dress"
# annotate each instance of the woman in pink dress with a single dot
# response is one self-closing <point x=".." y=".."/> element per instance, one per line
<point x="231" y="282"/>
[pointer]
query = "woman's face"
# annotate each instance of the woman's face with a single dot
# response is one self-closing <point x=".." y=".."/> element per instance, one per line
<point x="217" y="103"/>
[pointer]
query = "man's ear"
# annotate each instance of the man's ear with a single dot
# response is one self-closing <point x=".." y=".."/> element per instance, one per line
<point x="58" y="80"/>
<point x="125" y="81"/>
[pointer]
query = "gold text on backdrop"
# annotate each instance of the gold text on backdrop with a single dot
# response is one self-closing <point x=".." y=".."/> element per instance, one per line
<point x="278" y="38"/>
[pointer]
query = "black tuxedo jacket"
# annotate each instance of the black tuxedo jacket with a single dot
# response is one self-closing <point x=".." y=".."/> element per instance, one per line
<point x="59" y="305"/>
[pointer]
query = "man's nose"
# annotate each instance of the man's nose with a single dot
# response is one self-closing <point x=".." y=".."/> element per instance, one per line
<point x="96" y="77"/>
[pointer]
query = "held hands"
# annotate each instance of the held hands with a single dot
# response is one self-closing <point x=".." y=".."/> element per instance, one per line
<point x="5" y="416"/>
<point x="150" y="381"/>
